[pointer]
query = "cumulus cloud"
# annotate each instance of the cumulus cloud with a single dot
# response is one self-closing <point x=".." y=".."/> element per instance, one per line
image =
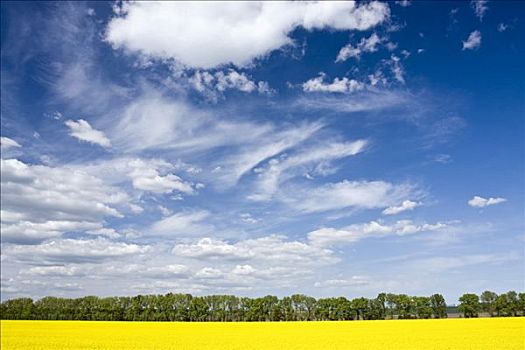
<point x="145" y="271"/>
<point x="73" y="250"/>
<point x="480" y="202"/>
<point x="343" y="85"/>
<point x="40" y="202"/>
<point x="53" y="270"/>
<point x="27" y="231"/>
<point x="270" y="249"/>
<point x="147" y="178"/>
<point x="406" y="205"/>
<point x="151" y="175"/>
<point x="346" y="194"/>
<point x="207" y="35"/>
<point x="211" y="85"/>
<point x="209" y="272"/>
<point x="473" y="41"/>
<point x="370" y="44"/>
<point x="328" y="236"/>
<point x="84" y="132"/>
<point x="479" y="7"/>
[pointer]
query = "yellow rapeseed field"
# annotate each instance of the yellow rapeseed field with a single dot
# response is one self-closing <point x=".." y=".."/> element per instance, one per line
<point x="476" y="334"/>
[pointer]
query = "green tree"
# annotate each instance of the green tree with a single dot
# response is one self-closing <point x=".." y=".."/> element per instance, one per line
<point x="521" y="303"/>
<point x="469" y="305"/>
<point x="390" y="303"/>
<point x="198" y="309"/>
<point x="507" y="304"/>
<point x="439" y="306"/>
<point x="422" y="306"/>
<point x="360" y="307"/>
<point x="18" y="309"/>
<point x="286" y="309"/>
<point x="404" y="306"/>
<point x="488" y="300"/>
<point x="375" y="310"/>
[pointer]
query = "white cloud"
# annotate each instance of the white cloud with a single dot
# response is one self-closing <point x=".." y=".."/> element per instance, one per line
<point x="341" y="283"/>
<point x="209" y="272"/>
<point x="73" y="250"/>
<point x="105" y="231"/>
<point x="27" y="231"/>
<point x="502" y="27"/>
<point x="346" y="194"/>
<point x="479" y="7"/>
<point x="406" y="205"/>
<point x="328" y="236"/>
<point x="404" y="3"/>
<point x="473" y="41"/>
<point x="164" y="211"/>
<point x="147" y="178"/>
<point x="269" y="144"/>
<point x="6" y="143"/>
<point x="480" y="202"/>
<point x="369" y="44"/>
<point x="152" y="175"/>
<point x="397" y="68"/>
<point x="57" y="270"/>
<point x="249" y="219"/>
<point x="284" y="168"/>
<point x="145" y="271"/>
<point x="207" y="35"/>
<point x="212" y="85"/>
<point x="182" y="224"/>
<point x="211" y="248"/>
<point x="84" y="132"/>
<point x="40" y="202"/>
<point x="276" y="274"/>
<point x="442" y="158"/>
<point x="154" y="122"/>
<point x="365" y="101"/>
<point x="343" y="85"/>
<point x="270" y="249"/>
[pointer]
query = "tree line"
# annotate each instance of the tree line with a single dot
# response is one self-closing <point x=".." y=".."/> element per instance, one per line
<point x="503" y="305"/>
<point x="229" y="308"/>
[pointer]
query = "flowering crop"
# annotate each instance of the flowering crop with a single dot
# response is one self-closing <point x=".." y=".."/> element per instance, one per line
<point x="478" y="334"/>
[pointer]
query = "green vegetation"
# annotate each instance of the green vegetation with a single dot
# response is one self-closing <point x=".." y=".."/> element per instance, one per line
<point x="227" y="308"/>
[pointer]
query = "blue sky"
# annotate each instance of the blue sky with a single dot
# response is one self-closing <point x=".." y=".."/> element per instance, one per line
<point x="332" y="148"/>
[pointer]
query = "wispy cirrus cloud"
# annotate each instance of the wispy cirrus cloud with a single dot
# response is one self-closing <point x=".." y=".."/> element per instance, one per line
<point x="83" y="131"/>
<point x="346" y="194"/>
<point x="480" y="8"/>
<point x="328" y="236"/>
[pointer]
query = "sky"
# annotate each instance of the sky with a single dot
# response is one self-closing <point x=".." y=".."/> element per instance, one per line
<point x="330" y="149"/>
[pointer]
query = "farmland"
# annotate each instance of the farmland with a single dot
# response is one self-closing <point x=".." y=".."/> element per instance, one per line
<point x="479" y="334"/>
